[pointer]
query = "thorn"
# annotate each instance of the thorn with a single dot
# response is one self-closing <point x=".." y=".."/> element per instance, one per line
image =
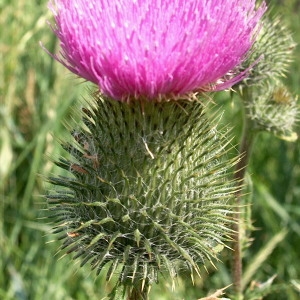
<point x="147" y="148"/>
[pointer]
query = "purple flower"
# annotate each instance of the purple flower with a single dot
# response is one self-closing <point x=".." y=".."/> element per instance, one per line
<point x="154" y="49"/>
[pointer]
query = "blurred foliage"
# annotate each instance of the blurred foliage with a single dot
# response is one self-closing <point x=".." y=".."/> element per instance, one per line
<point x="36" y="96"/>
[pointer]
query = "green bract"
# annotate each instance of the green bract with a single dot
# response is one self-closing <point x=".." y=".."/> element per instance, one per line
<point x="149" y="190"/>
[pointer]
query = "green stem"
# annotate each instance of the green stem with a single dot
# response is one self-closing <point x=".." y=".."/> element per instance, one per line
<point x="245" y="151"/>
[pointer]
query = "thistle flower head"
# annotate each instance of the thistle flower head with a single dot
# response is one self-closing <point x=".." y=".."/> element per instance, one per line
<point x="148" y="190"/>
<point x="154" y="49"/>
<point x="269" y="104"/>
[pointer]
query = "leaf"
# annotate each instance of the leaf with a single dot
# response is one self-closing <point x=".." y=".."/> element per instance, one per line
<point x="216" y="294"/>
<point x="261" y="256"/>
<point x="296" y="285"/>
<point x="137" y="236"/>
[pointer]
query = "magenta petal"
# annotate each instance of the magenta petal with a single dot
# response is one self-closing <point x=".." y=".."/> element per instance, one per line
<point x="153" y="48"/>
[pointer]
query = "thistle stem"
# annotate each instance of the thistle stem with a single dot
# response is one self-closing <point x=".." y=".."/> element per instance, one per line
<point x="245" y="151"/>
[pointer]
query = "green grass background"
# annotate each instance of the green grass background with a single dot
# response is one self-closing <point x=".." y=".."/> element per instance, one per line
<point x="36" y="96"/>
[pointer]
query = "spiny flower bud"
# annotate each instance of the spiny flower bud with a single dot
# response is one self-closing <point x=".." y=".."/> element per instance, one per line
<point x="272" y="108"/>
<point x="148" y="192"/>
<point x="269" y="105"/>
<point x="272" y="52"/>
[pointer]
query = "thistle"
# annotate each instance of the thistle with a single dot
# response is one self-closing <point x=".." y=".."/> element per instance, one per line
<point x="150" y="188"/>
